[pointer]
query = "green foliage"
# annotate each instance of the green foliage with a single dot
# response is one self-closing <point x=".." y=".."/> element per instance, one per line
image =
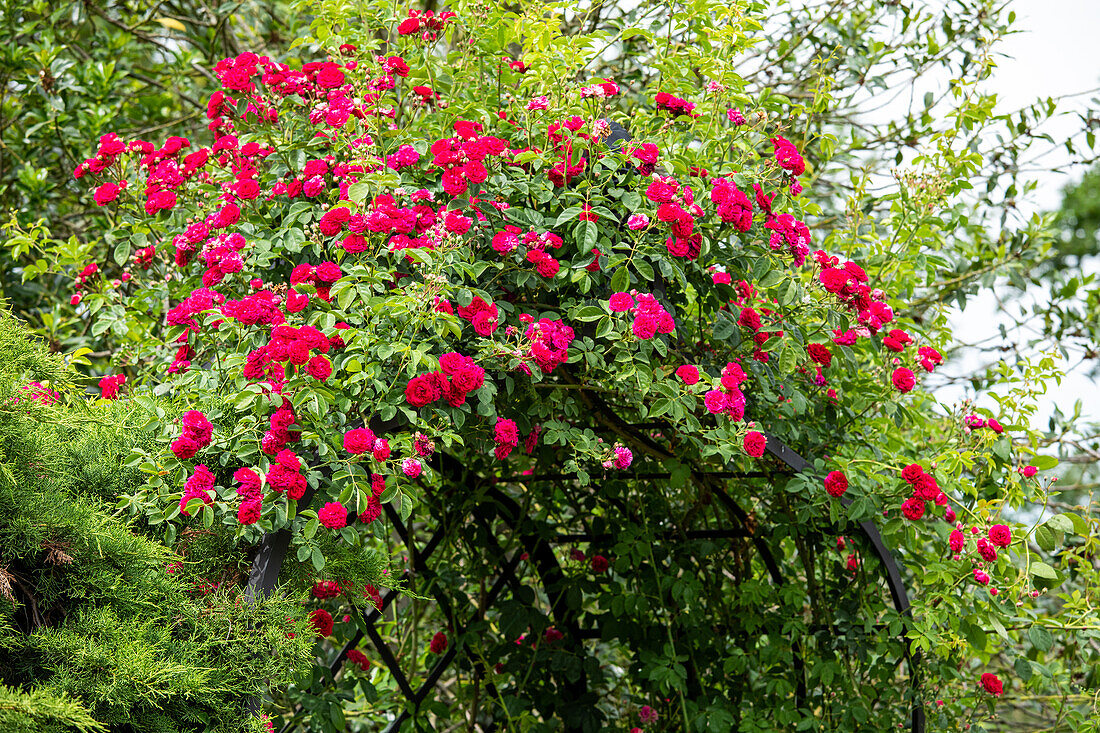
<point x="42" y="712"/>
<point x="98" y="624"/>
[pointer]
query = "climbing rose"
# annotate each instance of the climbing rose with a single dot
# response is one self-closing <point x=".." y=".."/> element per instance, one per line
<point x="1000" y="535"/>
<point x="647" y="714"/>
<point x="913" y="509"/>
<point x="319" y="368"/>
<point x="912" y="472"/>
<point x="820" y="353"/>
<point x="599" y="564"/>
<point x="333" y="515"/>
<point x="981" y="577"/>
<point x="903" y="379"/>
<point x="249" y="511"/>
<point x="321" y="621"/>
<point x="992" y="684"/>
<point x="621" y="302"/>
<point x="756" y="442"/>
<point x="359" y="441"/>
<point x="957" y="541"/>
<point x="715" y="401"/>
<point x="1029" y="471"/>
<point x="623" y="457"/>
<point x="381" y="449"/>
<point x="111" y="384"/>
<point x="325" y="589"/>
<point x="197" y="429"/>
<point x="439" y="643"/>
<point x="786" y="154"/>
<point x="836" y="483"/>
<point x="994" y="426"/>
<point x="420" y="391"/>
<point x="688" y="374"/>
<point x="105" y="194"/>
<point x="359" y="659"/>
<point x="411" y="467"/>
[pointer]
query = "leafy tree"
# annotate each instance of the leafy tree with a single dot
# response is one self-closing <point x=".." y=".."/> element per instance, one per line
<point x="73" y="71"/>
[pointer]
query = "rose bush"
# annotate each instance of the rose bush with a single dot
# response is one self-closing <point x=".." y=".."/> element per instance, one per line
<point x="388" y="268"/>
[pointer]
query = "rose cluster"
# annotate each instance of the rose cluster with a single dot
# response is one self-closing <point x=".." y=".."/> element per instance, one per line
<point x="650" y="317"/>
<point x="458" y="376"/>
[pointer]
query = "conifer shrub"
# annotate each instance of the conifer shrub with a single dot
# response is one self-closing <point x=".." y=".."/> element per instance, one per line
<point x="103" y="627"/>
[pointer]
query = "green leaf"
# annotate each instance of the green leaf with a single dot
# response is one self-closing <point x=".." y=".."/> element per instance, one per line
<point x="724" y="326"/>
<point x="358" y="191"/>
<point x="591" y="234"/>
<point x="122" y="253"/>
<point x="1040" y="638"/>
<point x="1023" y="669"/>
<point x="589" y="313"/>
<point x="1042" y="570"/>
<point x="773" y="278"/>
<point x="1044" y="537"/>
<point x="1060" y="523"/>
<point x="620" y="281"/>
<point x="569" y="214"/>
<point x="788" y="360"/>
<point x="317" y="559"/>
<point x="975" y="635"/>
<point x="1044" y="463"/>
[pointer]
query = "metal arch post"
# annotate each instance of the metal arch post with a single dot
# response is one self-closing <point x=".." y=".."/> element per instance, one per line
<point x="894" y="581"/>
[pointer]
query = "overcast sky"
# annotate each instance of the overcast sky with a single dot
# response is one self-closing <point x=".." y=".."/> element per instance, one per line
<point x="1056" y="52"/>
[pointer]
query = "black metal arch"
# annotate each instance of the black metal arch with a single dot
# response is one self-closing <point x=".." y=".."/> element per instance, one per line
<point x="265" y="571"/>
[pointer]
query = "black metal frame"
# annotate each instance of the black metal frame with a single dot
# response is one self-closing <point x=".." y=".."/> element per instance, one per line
<point x="263" y="579"/>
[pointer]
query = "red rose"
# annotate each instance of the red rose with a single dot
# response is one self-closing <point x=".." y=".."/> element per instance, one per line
<point x="246" y="188"/>
<point x="820" y="353"/>
<point x="359" y="441"/>
<point x="1000" y="535"/>
<point x="330" y="76"/>
<point x="250" y="511"/>
<point x="912" y="472"/>
<point x="688" y="374"/>
<point x="992" y="684"/>
<point x="105" y="194"/>
<point x="333" y="515"/>
<point x="913" y="509"/>
<point x="836" y="483"/>
<point x="903" y="379"/>
<point x="420" y="391"/>
<point x="319" y="368"/>
<point x="321" y="621"/>
<point x="755" y="443"/>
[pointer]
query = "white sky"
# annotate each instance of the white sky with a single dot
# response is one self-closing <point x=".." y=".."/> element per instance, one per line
<point x="1056" y="53"/>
